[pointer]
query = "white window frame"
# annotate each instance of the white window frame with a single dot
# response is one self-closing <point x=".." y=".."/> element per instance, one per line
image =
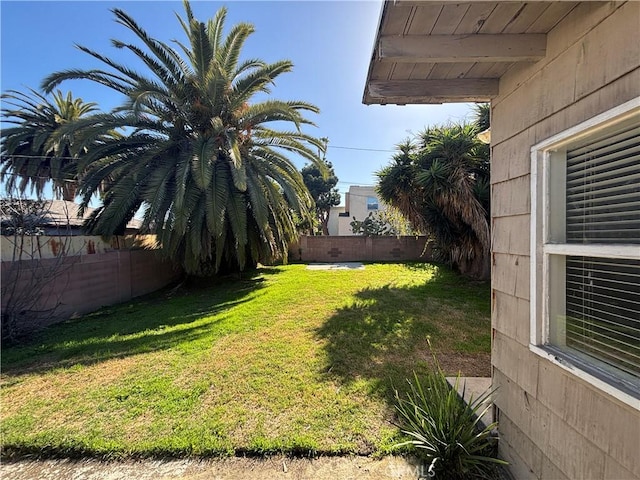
<point x="543" y="155"/>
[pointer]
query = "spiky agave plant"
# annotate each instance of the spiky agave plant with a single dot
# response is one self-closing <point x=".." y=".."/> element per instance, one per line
<point x="445" y="430"/>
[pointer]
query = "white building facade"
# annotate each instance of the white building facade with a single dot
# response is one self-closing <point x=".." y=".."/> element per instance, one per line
<point x="360" y="201"/>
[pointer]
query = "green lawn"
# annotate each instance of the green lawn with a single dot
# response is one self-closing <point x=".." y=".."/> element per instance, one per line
<point x="286" y="360"/>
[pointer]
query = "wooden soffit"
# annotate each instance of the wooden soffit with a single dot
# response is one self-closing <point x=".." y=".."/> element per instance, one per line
<point x="449" y="51"/>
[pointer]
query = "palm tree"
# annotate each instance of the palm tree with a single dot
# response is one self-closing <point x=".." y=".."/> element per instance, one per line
<point x="441" y="185"/>
<point x="397" y="187"/>
<point x="482" y="116"/>
<point x="201" y="160"/>
<point x="32" y="152"/>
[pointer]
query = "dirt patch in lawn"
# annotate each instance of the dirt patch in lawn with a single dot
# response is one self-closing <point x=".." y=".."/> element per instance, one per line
<point x="452" y="363"/>
<point x="468" y="364"/>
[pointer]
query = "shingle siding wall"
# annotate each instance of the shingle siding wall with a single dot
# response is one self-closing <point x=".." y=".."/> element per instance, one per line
<point x="553" y="425"/>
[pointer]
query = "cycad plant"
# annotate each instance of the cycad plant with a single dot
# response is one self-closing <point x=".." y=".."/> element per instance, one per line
<point x="200" y="157"/>
<point x="445" y="430"/>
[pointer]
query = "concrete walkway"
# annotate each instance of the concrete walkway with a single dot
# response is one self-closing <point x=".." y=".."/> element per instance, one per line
<point x="336" y="266"/>
<point x="474" y="386"/>
<point x="274" y="468"/>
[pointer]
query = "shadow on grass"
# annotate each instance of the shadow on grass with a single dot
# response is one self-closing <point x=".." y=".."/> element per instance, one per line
<point x="383" y="336"/>
<point x="154" y="322"/>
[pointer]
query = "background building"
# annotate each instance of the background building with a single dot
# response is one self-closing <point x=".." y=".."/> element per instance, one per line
<point x="359" y="203"/>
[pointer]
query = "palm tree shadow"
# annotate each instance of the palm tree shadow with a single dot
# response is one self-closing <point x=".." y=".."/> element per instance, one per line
<point x="158" y="321"/>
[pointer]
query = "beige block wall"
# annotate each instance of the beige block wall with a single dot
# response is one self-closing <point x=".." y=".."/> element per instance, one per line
<point x="554" y="425"/>
<point x="86" y="282"/>
<point x="356" y="248"/>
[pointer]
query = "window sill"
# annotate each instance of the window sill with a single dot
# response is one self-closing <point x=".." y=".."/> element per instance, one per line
<point x="569" y="365"/>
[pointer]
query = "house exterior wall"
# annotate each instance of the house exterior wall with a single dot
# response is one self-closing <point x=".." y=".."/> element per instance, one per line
<point x="50" y="246"/>
<point x="344" y="225"/>
<point x="553" y="424"/>
<point x="334" y="218"/>
<point x="356" y="204"/>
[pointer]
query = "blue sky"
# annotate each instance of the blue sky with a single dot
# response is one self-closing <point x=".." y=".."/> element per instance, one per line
<point x="329" y="42"/>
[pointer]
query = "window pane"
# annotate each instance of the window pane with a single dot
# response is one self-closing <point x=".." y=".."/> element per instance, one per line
<point x="372" y="203"/>
<point x="602" y="304"/>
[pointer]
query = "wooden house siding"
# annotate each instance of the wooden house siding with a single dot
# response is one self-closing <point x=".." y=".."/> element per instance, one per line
<point x="554" y="425"/>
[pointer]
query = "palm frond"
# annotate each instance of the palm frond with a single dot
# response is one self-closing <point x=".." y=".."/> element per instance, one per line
<point x="229" y="52"/>
<point x="215" y="29"/>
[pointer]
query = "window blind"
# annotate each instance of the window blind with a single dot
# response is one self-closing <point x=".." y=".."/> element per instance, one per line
<point x="603" y="207"/>
<point x="603" y="189"/>
<point x="603" y="310"/>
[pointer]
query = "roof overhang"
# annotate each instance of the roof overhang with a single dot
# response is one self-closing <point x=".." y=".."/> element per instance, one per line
<point x="451" y="51"/>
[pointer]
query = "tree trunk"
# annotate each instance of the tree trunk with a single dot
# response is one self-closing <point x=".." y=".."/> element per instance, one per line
<point x="69" y="190"/>
<point x="325" y="227"/>
<point x="479" y="268"/>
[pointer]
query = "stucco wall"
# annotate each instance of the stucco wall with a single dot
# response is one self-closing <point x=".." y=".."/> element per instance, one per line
<point x="344" y="225"/>
<point x="356" y="205"/>
<point x="554" y="425"/>
<point x="357" y="202"/>
<point x="358" y="248"/>
<point x="334" y="216"/>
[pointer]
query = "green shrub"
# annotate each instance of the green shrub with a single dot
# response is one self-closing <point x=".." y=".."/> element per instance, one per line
<point x="446" y="431"/>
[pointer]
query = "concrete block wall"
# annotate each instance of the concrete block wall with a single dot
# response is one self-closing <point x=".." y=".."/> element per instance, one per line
<point x="554" y="425"/>
<point x="87" y="282"/>
<point x="327" y="248"/>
